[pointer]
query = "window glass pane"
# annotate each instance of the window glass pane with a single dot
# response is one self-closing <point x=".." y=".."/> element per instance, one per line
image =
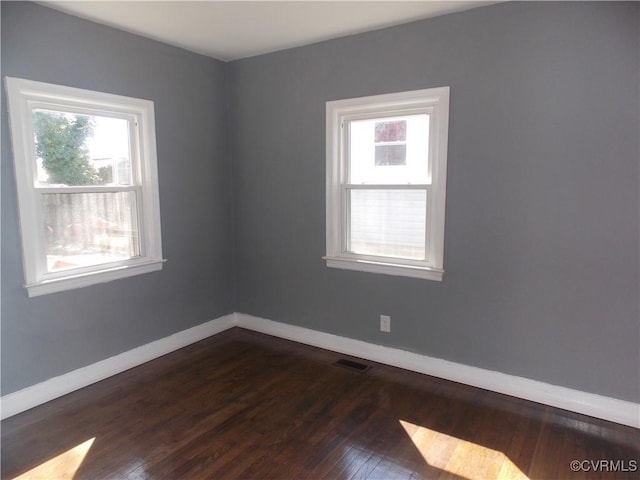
<point x="391" y="155"/>
<point x="389" y="223"/>
<point x="74" y="149"/>
<point x="391" y="151"/>
<point x="391" y="131"/>
<point x="84" y="229"/>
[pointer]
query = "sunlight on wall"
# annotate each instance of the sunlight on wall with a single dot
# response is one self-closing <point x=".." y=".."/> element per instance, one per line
<point x="459" y="457"/>
<point x="64" y="465"/>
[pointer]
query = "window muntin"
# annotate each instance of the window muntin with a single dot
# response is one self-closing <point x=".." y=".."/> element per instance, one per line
<point x="86" y="173"/>
<point x="386" y="180"/>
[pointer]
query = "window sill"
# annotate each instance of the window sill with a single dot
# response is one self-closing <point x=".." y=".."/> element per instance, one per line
<point x="86" y="279"/>
<point x="425" y="273"/>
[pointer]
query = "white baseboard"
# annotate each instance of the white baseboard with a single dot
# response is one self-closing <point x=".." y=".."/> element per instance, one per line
<point x="52" y="388"/>
<point x="599" y="406"/>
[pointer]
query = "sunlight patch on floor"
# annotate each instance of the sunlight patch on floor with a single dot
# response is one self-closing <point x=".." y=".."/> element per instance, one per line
<point x="460" y="457"/>
<point x="62" y="466"/>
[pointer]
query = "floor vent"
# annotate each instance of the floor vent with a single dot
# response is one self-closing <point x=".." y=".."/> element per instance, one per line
<point x="351" y="365"/>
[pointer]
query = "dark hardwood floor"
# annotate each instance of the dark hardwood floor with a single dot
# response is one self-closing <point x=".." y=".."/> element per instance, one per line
<point x="242" y="405"/>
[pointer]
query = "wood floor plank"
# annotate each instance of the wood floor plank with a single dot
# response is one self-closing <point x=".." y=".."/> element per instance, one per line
<point x="242" y="405"/>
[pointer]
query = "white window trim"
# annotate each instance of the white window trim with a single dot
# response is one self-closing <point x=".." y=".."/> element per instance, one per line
<point x="435" y="101"/>
<point x="23" y="96"/>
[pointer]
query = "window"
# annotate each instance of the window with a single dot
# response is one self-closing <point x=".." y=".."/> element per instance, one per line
<point x="386" y="181"/>
<point x="86" y="175"/>
<point x="391" y="143"/>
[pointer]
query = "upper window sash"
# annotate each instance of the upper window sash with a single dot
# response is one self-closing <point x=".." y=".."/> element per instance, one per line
<point x="133" y="117"/>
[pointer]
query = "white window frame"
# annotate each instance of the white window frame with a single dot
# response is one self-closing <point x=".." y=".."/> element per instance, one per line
<point x="26" y="95"/>
<point x="435" y="103"/>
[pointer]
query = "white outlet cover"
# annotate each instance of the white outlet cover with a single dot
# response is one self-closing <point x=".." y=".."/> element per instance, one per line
<point x="385" y="323"/>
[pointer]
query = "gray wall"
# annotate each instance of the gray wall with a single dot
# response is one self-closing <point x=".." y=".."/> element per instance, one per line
<point x="542" y="228"/>
<point x="541" y="247"/>
<point x="53" y="334"/>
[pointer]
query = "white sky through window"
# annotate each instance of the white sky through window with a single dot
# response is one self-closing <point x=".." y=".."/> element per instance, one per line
<point x="110" y="138"/>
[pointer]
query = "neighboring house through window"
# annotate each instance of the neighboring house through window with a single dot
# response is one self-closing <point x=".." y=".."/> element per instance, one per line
<point x="86" y="174"/>
<point x="386" y="181"/>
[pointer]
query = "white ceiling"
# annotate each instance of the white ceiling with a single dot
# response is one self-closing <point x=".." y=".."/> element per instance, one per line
<point x="229" y="30"/>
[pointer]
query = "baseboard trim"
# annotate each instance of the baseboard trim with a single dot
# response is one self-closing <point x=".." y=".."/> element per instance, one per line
<point x="594" y="405"/>
<point x="52" y="388"/>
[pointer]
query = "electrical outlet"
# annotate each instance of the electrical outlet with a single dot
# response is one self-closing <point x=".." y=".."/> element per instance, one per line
<point x="385" y="323"/>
